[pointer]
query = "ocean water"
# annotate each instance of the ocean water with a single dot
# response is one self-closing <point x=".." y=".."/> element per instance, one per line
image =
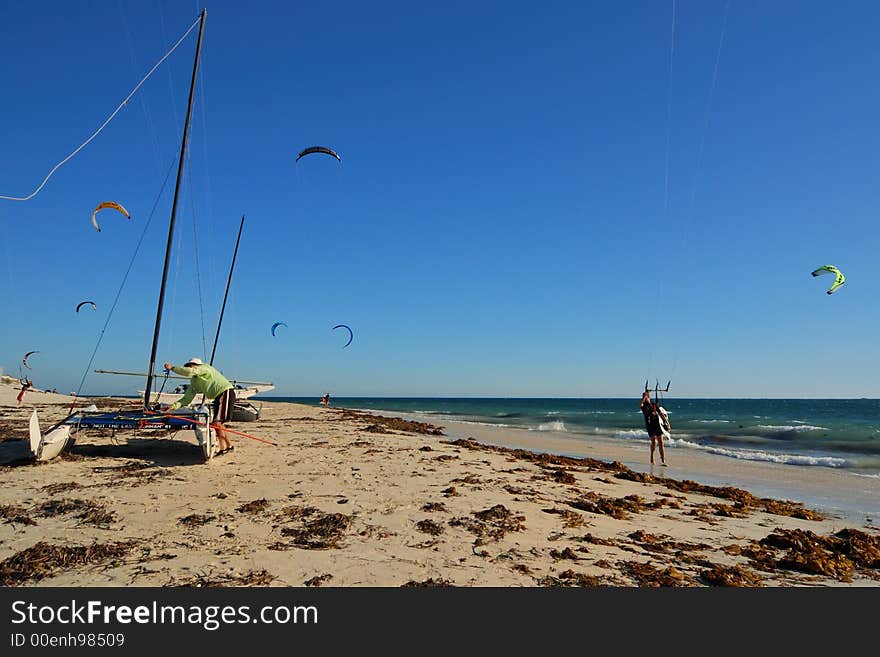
<point x="833" y="433"/>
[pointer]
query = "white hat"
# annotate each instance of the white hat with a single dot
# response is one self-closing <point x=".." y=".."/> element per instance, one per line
<point x="193" y="361"/>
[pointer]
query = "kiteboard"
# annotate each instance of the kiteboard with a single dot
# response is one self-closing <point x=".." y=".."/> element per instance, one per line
<point x="46" y="448"/>
<point x="664" y="422"/>
<point x="205" y="434"/>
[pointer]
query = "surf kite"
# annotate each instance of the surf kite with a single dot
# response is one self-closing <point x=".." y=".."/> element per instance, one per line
<point x="107" y="205"/>
<point x="318" y="149"/>
<point x="275" y="326"/>
<point x="350" y="334"/>
<point x="24" y="360"/>
<point x="83" y="303"/>
<point x="839" y="278"/>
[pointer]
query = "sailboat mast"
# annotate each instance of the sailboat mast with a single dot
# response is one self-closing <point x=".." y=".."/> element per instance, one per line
<point x="192" y="89"/>
<point x="226" y="293"/>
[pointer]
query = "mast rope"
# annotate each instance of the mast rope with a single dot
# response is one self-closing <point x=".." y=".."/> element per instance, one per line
<point x="105" y="123"/>
<point x="124" y="279"/>
<point x="192" y="206"/>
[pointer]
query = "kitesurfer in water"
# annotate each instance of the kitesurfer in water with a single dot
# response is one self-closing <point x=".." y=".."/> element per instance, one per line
<point x="207" y="380"/>
<point x="653" y="424"/>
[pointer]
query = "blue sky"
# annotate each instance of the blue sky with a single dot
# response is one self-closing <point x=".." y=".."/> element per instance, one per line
<point x="500" y="224"/>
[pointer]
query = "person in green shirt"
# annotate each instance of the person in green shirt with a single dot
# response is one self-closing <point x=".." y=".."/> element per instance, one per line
<point x="206" y="380"/>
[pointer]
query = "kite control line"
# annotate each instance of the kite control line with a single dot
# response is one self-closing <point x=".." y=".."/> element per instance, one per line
<point x="214" y="426"/>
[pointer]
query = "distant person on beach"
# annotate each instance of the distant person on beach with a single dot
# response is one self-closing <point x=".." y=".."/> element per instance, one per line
<point x="25" y="385"/>
<point x="213" y="385"/>
<point x="653" y="424"/>
<point x="325" y="400"/>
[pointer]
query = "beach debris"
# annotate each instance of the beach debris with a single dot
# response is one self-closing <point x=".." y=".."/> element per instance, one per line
<point x="431" y="507"/>
<point x="839" y="555"/>
<point x="572" y="578"/>
<point x="719" y="575"/>
<point x="595" y="540"/>
<point x="195" y="520"/>
<point x="254" y="506"/>
<point x="61" y="487"/>
<point x="428" y="526"/>
<point x="15" y="515"/>
<point x="450" y="492"/>
<point x="317" y="530"/>
<point x="88" y="512"/>
<point x="44" y="560"/>
<point x="396" y="423"/>
<point x="618" y="508"/>
<point x="570" y="518"/>
<point x="83" y="303"/>
<point x="317" y="580"/>
<point x="276" y="325"/>
<point x="203" y="580"/>
<point x="428" y="583"/>
<point x="350" y="333"/>
<point x="318" y="149"/>
<point x="491" y="523"/>
<point x="567" y="553"/>
<point x="839" y="278"/>
<point x="646" y="574"/>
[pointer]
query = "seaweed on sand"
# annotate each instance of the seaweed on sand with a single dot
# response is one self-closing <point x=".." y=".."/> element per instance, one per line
<point x="317" y="580"/>
<point x="428" y="526"/>
<point x="434" y="506"/>
<point x="320" y="531"/>
<point x="88" y="512"/>
<point x="572" y="578"/>
<point x="491" y="523"/>
<point x="15" y="515"/>
<point x="570" y="518"/>
<point x="719" y="575"/>
<point x="647" y="575"/>
<point x="428" y="583"/>
<point x="44" y="560"/>
<point x="202" y="580"/>
<point x="195" y="520"/>
<point x="839" y="555"/>
<point x="254" y="506"/>
<point x="618" y="508"/>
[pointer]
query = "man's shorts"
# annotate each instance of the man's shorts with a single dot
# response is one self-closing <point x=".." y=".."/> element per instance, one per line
<point x="223" y="404"/>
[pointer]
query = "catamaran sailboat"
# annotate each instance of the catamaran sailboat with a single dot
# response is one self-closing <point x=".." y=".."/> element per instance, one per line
<point x="48" y="445"/>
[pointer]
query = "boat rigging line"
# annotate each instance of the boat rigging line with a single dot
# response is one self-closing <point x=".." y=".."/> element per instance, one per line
<point x="106" y="121"/>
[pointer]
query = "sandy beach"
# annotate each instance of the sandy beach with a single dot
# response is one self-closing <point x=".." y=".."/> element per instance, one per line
<point x="351" y="499"/>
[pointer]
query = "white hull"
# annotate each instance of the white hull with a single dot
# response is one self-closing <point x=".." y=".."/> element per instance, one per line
<point x="240" y="393"/>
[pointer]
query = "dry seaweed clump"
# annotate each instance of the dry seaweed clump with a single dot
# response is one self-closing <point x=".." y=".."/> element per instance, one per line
<point x="87" y="511"/>
<point x="571" y="578"/>
<point x="492" y="523"/>
<point x="720" y="575"/>
<point x="318" y="530"/>
<point x="839" y="555"/>
<point x="254" y="506"/>
<point x="195" y="520"/>
<point x="618" y="508"/>
<point x="428" y="583"/>
<point x="15" y="515"/>
<point x="44" y="560"/>
<point x="317" y="580"/>
<point x="250" y="578"/>
<point x="429" y="527"/>
<point x="743" y="500"/>
<point x="570" y="518"/>
<point x="647" y="575"/>
<point x="381" y="424"/>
